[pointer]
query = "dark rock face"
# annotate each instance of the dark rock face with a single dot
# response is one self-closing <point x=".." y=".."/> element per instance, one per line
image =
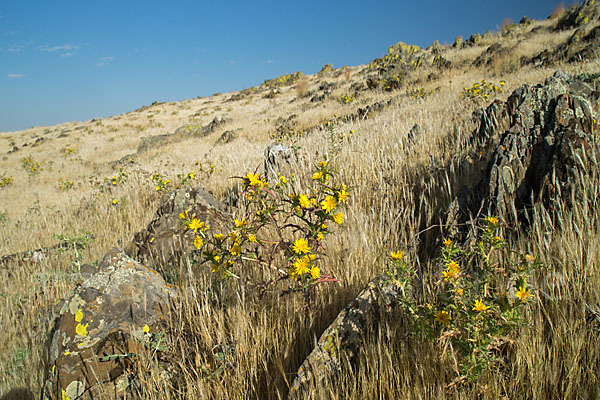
<point x="227" y="137"/>
<point x="538" y="141"/>
<point x="102" y="326"/>
<point x="492" y="53"/>
<point x="165" y="240"/>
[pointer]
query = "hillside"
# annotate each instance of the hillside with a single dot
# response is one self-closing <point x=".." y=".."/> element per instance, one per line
<point x="480" y="153"/>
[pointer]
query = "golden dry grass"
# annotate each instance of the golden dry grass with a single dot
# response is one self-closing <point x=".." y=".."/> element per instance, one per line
<point x="397" y="188"/>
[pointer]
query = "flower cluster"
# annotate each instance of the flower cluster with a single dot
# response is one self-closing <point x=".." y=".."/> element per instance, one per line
<point x="30" y="166"/>
<point x="68" y="151"/>
<point x="482" y="90"/>
<point x="280" y="225"/>
<point x="345" y="99"/>
<point x="65" y="184"/>
<point x="420" y="93"/>
<point x="115" y="180"/>
<point x="161" y="183"/>
<point x="5" y="180"/>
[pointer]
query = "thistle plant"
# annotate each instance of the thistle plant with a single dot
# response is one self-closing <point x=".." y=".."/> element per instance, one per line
<point x="478" y="302"/>
<point x="282" y="231"/>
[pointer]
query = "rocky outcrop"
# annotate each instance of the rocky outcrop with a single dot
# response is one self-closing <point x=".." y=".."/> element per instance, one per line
<point x="103" y="325"/>
<point x="166" y="239"/>
<point x="344" y="337"/>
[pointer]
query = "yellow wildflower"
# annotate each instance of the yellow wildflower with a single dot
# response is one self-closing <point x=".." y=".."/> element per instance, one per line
<point x="315" y="272"/>
<point x="492" y="220"/>
<point x="282" y="179"/>
<point x="452" y="271"/>
<point x="304" y="201"/>
<point x="252" y="179"/>
<point x="524" y="294"/>
<point x="239" y="223"/>
<point x="301" y="266"/>
<point x="235" y="249"/>
<point x="252" y="238"/>
<point x="479" y="306"/>
<point x="529" y="258"/>
<point x="329" y="203"/>
<point x="146" y="329"/>
<point x="183" y="215"/>
<point x="342" y="194"/>
<point x="447" y="242"/>
<point x="115" y="202"/>
<point x="218" y="236"/>
<point x="443" y="317"/>
<point x="317" y="175"/>
<point x="322" y="164"/>
<point x="301" y="246"/>
<point x="397" y="255"/>
<point x="198" y="242"/>
<point x="320" y="236"/>
<point x="195" y="224"/>
<point x="338" y="218"/>
<point x="460" y="291"/>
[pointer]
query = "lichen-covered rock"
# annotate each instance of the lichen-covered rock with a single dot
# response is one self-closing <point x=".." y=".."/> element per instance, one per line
<point x="344" y="337"/>
<point x="533" y="146"/>
<point x="278" y="159"/>
<point x="103" y="325"/>
<point x="166" y="239"/>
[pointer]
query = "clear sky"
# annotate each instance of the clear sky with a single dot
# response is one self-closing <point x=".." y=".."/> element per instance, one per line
<point x="67" y="60"/>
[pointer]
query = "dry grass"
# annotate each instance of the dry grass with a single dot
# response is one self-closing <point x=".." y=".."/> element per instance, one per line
<point x="397" y="189"/>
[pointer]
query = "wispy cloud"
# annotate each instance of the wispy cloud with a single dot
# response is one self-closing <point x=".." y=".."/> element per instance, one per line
<point x="105" y="61"/>
<point x="269" y="61"/>
<point x="67" y="49"/>
<point x="15" y="48"/>
<point x="64" y="47"/>
<point x="16" y="76"/>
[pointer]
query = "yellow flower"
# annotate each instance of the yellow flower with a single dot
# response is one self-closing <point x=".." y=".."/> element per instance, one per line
<point x="183" y="215"/>
<point x="115" y="201"/>
<point x="529" y="258"/>
<point x="235" y="249"/>
<point x="524" y="294"/>
<point x="317" y="175"/>
<point x="329" y="203"/>
<point x="397" y="255"/>
<point x="322" y="164"/>
<point x="301" y="246"/>
<point x="460" y="291"/>
<point x="218" y="236"/>
<point x="452" y="271"/>
<point x="447" y="242"/>
<point x="198" y="242"/>
<point x="479" y="306"/>
<point x="497" y="238"/>
<point x="239" y="223"/>
<point x="315" y="272"/>
<point x="324" y="226"/>
<point x="195" y="224"/>
<point x="252" y="179"/>
<point x="320" y="236"/>
<point x="342" y="194"/>
<point x="338" y="218"/>
<point x="443" y="317"/>
<point x="146" y="329"/>
<point x="304" y="202"/>
<point x="282" y="179"/>
<point x="252" y="238"/>
<point x="492" y="220"/>
<point x="301" y="266"/>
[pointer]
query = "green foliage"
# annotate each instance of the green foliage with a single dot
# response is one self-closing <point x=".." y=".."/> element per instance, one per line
<point x="65" y="184"/>
<point x="76" y="244"/>
<point x="478" y="303"/>
<point x="346" y="99"/>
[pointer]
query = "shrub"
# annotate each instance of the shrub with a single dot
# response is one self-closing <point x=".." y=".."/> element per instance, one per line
<point x="6" y="180"/>
<point x="281" y="231"/>
<point x="476" y="306"/>
<point x="482" y="90"/>
<point x="30" y="166"/>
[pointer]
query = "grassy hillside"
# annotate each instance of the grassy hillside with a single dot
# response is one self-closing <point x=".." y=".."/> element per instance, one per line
<point x="90" y="183"/>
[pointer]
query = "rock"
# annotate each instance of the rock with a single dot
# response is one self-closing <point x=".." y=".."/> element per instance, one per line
<point x="325" y="69"/>
<point x="103" y="324"/>
<point x="491" y="55"/>
<point x="534" y="147"/>
<point x="278" y="159"/>
<point x="344" y="337"/>
<point x="414" y="134"/>
<point x="525" y="21"/>
<point x="201" y="131"/>
<point x="227" y="137"/>
<point x="166" y="240"/>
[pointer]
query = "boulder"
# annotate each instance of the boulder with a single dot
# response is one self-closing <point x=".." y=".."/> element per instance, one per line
<point x="103" y="325"/>
<point x="344" y="337"/>
<point x="166" y="239"/>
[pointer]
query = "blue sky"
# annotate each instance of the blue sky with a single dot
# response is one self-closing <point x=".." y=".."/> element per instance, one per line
<point x="76" y="60"/>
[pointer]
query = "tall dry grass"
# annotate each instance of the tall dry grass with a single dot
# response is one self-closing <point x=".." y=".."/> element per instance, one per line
<point x="398" y="188"/>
